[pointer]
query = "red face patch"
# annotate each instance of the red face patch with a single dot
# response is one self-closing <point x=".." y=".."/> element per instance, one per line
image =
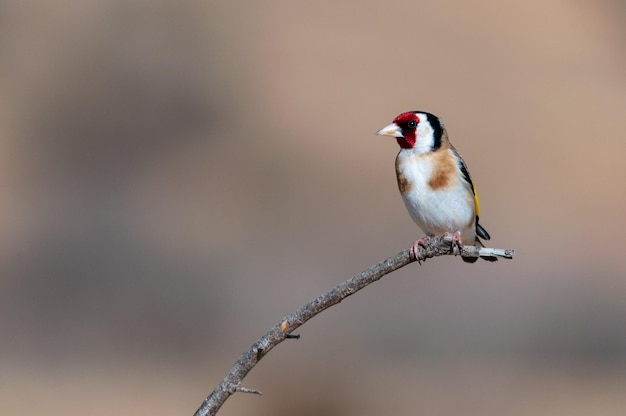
<point x="407" y="123"/>
<point x="404" y="118"/>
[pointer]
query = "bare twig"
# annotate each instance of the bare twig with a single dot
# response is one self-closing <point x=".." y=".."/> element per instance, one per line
<point x="242" y="389"/>
<point x="437" y="246"/>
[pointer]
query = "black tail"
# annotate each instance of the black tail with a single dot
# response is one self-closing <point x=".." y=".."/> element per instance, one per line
<point x="481" y="232"/>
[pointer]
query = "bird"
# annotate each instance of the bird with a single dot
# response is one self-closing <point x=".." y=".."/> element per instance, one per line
<point x="434" y="182"/>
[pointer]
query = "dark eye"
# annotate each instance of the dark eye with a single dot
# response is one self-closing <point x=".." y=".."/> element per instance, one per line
<point x="412" y="124"/>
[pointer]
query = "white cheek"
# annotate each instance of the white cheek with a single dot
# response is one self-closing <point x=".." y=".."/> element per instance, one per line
<point x="424" y="134"/>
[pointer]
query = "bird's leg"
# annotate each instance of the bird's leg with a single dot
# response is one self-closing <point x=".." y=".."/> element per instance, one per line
<point x="414" y="250"/>
<point x="456" y="241"/>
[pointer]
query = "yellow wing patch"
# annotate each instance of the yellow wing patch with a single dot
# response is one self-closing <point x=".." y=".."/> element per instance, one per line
<point x="476" y="200"/>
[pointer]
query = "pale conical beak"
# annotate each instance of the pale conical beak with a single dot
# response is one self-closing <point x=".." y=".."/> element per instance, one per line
<point x="391" y="130"/>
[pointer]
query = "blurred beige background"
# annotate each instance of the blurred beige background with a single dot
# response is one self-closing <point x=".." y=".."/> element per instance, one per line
<point x="176" y="176"/>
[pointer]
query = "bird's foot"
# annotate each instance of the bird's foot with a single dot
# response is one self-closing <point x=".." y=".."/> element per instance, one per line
<point x="456" y="242"/>
<point x="414" y="251"/>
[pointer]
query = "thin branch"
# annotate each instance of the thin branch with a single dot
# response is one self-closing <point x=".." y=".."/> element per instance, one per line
<point x="242" y="389"/>
<point x="437" y="246"/>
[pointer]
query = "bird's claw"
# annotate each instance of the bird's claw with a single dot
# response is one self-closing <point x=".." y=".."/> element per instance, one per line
<point x="414" y="251"/>
<point x="456" y="242"/>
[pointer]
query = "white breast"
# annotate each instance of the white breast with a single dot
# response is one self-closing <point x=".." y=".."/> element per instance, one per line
<point x="436" y="211"/>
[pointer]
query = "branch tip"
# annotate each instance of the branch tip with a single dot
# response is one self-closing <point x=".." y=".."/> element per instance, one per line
<point x="242" y="389"/>
<point x="442" y="245"/>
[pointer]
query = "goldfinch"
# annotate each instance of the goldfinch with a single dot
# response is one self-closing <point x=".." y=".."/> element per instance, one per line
<point x="434" y="181"/>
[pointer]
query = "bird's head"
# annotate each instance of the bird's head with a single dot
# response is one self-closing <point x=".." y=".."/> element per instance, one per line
<point x="415" y="130"/>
